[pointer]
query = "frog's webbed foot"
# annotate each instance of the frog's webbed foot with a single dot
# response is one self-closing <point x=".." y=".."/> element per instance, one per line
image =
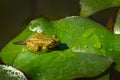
<point x="44" y="48"/>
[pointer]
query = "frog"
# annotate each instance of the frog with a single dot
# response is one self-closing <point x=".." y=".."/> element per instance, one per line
<point x="41" y="41"/>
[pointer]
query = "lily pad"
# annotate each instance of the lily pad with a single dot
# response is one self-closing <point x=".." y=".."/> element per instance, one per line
<point x="60" y="63"/>
<point x="89" y="7"/>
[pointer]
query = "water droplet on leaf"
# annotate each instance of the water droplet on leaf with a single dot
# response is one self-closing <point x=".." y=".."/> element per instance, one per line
<point x="85" y="46"/>
<point x="110" y="49"/>
<point x="88" y="33"/>
<point x="97" y="45"/>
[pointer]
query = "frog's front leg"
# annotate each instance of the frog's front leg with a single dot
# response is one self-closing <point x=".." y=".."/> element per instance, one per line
<point x="45" y="48"/>
<point x="32" y="46"/>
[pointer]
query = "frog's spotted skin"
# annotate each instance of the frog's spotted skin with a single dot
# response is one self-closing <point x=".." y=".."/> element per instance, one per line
<point x="41" y="40"/>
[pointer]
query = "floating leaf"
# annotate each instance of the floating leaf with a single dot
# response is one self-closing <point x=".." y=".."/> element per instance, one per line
<point x="117" y="24"/>
<point x="61" y="65"/>
<point x="100" y="42"/>
<point x="10" y="73"/>
<point x="89" y="7"/>
<point x="48" y="63"/>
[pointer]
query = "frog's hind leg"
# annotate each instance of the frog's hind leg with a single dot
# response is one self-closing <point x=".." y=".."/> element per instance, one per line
<point x="32" y="47"/>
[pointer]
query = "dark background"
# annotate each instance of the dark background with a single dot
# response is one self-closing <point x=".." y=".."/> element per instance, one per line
<point x="15" y="13"/>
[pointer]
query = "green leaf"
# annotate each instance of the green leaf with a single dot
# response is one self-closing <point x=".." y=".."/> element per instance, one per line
<point x="62" y="65"/>
<point x="10" y="73"/>
<point x="89" y="7"/>
<point x="117" y="24"/>
<point x="49" y="64"/>
<point x="99" y="41"/>
<point x="12" y="50"/>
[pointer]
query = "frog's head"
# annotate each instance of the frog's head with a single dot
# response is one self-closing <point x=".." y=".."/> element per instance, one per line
<point x="53" y="42"/>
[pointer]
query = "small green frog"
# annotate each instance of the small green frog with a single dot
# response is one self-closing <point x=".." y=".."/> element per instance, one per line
<point x="40" y="40"/>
